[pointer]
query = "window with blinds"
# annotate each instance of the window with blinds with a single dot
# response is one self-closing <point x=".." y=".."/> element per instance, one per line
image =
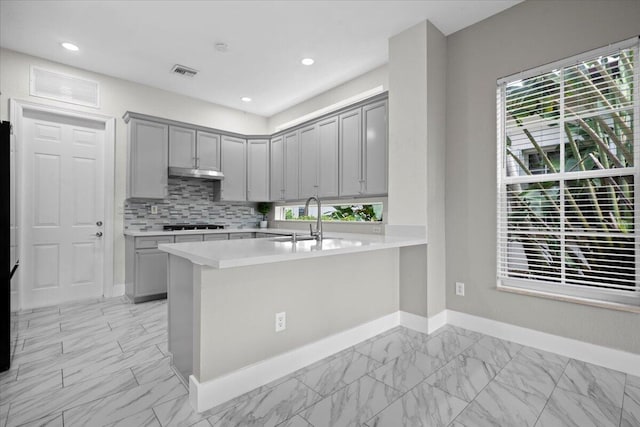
<point x="568" y="154"/>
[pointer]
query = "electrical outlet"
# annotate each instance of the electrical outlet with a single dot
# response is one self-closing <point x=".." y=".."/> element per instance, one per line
<point x="281" y="321"/>
<point x="154" y="210"/>
<point x="253" y="211"/>
<point x="377" y="229"/>
<point x="460" y="289"/>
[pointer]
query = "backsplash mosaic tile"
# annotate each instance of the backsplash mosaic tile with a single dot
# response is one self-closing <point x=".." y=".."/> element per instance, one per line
<point x="190" y="201"/>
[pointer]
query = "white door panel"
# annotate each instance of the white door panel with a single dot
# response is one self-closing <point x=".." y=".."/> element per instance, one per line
<point x="64" y="200"/>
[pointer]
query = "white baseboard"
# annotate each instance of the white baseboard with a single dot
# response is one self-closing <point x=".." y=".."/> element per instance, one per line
<point x="413" y="321"/>
<point x="438" y="321"/>
<point x="421" y="323"/>
<point x="118" y="290"/>
<point x="208" y="394"/>
<point x="599" y="355"/>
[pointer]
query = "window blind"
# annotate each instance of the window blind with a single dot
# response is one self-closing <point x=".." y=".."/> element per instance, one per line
<point x="568" y="160"/>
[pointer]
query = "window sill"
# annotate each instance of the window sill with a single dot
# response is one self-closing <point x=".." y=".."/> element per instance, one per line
<point x="571" y="299"/>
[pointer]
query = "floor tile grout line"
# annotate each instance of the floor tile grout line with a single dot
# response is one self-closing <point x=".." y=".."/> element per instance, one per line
<point x="553" y="391"/>
<point x="483" y="388"/>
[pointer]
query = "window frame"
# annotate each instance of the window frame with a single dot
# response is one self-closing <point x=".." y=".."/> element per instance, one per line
<point x="561" y="289"/>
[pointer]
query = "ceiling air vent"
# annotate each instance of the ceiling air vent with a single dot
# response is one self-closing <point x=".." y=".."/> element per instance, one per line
<point x="184" y="71"/>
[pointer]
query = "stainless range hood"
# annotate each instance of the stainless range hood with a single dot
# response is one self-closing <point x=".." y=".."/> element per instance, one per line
<point x="196" y="173"/>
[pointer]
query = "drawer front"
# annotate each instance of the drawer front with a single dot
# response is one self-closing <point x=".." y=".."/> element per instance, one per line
<point x="218" y="236"/>
<point x="234" y="236"/>
<point x="152" y="242"/>
<point x="189" y="238"/>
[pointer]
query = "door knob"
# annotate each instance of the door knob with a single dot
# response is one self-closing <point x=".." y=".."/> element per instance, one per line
<point x="99" y="223"/>
<point x="99" y="234"/>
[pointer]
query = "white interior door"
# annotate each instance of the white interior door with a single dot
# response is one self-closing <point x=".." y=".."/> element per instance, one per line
<point x="64" y="208"/>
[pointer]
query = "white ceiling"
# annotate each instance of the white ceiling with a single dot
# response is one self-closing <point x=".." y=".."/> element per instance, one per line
<point x="141" y="40"/>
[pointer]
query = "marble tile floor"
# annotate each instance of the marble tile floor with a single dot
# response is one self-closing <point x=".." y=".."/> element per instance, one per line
<point x="105" y="363"/>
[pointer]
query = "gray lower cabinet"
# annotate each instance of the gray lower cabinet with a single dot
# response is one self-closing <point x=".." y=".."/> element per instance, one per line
<point x="146" y="268"/>
<point x="151" y="277"/>
<point x="217" y="236"/>
<point x="181" y="238"/>
<point x="235" y="236"/>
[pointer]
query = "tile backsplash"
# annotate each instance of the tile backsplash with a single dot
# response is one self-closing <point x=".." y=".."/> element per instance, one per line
<point x="190" y="201"/>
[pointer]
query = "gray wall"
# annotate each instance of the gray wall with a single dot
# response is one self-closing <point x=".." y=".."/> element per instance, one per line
<point x="525" y="36"/>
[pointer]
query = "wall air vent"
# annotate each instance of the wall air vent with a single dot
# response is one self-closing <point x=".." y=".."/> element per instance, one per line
<point x="64" y="87"/>
<point x="184" y="71"/>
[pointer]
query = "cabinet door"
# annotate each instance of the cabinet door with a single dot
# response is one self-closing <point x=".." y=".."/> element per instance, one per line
<point x="182" y="147"/>
<point x="308" y="139"/>
<point x="291" y="166"/>
<point x="151" y="272"/>
<point x="182" y="238"/>
<point x="258" y="170"/>
<point x="350" y="153"/>
<point x="234" y="161"/>
<point x="217" y="236"/>
<point x="148" y="159"/>
<point x="208" y="152"/>
<point x="328" y="158"/>
<point x="277" y="169"/>
<point x="237" y="236"/>
<point x="374" y="137"/>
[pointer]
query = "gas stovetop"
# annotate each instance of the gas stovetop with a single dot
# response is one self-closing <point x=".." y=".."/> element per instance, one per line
<point x="178" y="227"/>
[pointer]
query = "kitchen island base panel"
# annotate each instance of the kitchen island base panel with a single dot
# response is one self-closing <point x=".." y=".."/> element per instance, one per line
<point x="321" y="297"/>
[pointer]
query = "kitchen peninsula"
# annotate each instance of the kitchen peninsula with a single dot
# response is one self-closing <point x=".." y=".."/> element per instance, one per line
<point x="223" y="297"/>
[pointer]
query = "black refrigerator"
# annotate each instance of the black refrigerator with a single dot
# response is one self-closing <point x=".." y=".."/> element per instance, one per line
<point x="8" y="245"/>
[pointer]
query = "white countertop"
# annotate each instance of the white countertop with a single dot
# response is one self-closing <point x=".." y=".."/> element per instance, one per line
<point x="237" y="253"/>
<point x="137" y="233"/>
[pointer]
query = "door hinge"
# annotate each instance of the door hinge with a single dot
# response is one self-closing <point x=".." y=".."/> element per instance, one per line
<point x="10" y="129"/>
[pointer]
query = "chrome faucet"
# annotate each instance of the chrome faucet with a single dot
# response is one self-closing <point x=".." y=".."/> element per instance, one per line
<point x="317" y="233"/>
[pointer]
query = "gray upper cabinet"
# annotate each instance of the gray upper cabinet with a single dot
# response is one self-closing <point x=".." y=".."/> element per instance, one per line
<point x="328" y="157"/>
<point x="375" y="147"/>
<point x="208" y="150"/>
<point x="351" y="153"/>
<point x="193" y="149"/>
<point x="234" y="161"/>
<point x="363" y="150"/>
<point x="308" y="143"/>
<point x="277" y="169"/>
<point x="258" y="170"/>
<point x="182" y="147"/>
<point x="291" y="170"/>
<point x="148" y="159"/>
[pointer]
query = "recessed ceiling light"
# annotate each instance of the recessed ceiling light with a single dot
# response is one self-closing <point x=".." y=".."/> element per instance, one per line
<point x="221" y="47"/>
<point x="245" y="99"/>
<point x="307" y="61"/>
<point x="70" y="46"/>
